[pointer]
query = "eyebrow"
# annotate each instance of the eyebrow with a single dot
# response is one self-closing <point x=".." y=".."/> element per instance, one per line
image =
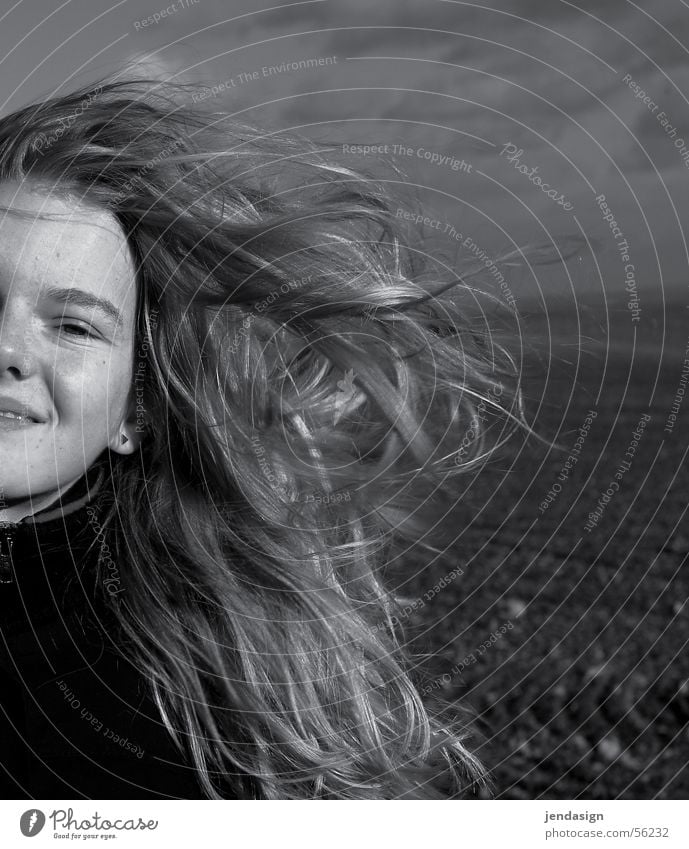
<point x="80" y="298"/>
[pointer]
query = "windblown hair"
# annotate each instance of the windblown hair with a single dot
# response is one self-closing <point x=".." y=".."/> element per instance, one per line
<point x="310" y="381"/>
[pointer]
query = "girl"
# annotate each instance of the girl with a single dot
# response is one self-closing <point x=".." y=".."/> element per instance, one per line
<point x="230" y="391"/>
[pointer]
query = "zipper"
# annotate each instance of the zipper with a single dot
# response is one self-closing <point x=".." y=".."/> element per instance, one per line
<point x="8" y="529"/>
<point x="6" y="564"/>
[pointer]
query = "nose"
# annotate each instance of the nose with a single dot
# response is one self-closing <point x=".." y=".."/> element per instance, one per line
<point x="17" y="344"/>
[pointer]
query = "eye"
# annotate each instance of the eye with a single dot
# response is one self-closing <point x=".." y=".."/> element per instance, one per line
<point x="77" y="330"/>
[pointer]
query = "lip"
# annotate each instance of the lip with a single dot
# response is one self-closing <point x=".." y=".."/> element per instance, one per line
<point x="11" y="405"/>
<point x="7" y="423"/>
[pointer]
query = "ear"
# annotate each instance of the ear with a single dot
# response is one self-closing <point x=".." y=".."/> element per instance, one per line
<point x="128" y="436"/>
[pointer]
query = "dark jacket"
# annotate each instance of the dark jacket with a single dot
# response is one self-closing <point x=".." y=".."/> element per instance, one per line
<point x="76" y="720"/>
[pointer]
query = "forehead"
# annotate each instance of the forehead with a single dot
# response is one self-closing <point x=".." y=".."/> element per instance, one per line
<point x="45" y="237"/>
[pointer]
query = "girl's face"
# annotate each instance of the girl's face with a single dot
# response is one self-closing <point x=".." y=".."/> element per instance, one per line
<point x="67" y="319"/>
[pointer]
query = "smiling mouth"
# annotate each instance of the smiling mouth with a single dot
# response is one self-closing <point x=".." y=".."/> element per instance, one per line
<point x="5" y="414"/>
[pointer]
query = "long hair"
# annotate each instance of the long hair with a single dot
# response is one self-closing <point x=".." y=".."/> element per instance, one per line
<point x="312" y="386"/>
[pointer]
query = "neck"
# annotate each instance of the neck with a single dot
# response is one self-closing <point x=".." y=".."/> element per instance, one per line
<point x="15" y="510"/>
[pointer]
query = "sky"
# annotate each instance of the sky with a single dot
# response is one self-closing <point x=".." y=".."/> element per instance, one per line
<point x="553" y="85"/>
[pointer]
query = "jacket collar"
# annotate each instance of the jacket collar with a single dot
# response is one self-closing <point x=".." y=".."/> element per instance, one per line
<point x="43" y="536"/>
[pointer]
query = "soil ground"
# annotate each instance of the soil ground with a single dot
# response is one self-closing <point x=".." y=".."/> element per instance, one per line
<point x="583" y="689"/>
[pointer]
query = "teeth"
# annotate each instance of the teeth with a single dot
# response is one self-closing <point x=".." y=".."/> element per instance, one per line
<point x="6" y="414"/>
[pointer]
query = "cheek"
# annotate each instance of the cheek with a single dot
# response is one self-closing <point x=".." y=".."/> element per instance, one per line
<point x="96" y="395"/>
